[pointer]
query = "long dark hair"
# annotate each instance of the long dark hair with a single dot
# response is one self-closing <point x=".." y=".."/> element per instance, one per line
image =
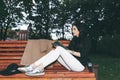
<point x="82" y="28"/>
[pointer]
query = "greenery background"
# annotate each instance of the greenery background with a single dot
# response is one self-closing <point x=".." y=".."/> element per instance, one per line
<point x="108" y="68"/>
<point x="102" y="19"/>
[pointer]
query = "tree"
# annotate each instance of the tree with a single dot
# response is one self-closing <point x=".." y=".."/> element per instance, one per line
<point x="47" y="15"/>
<point x="101" y="16"/>
<point x="11" y="16"/>
<point x="3" y="13"/>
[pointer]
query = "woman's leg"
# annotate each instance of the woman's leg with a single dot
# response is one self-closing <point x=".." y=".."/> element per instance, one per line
<point x="42" y="62"/>
<point x="67" y="59"/>
<point x="47" y="59"/>
<point x="62" y="62"/>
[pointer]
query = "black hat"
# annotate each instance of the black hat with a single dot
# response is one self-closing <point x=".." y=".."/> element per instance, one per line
<point x="10" y="70"/>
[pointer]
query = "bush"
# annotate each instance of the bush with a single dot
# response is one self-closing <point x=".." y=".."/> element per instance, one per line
<point x="109" y="45"/>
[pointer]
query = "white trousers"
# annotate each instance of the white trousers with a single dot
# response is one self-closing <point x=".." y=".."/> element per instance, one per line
<point x="63" y="57"/>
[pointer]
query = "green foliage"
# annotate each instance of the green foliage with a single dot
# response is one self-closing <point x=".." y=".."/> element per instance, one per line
<point x="9" y="16"/>
<point x="109" y="45"/>
<point x="108" y="66"/>
<point x="102" y="17"/>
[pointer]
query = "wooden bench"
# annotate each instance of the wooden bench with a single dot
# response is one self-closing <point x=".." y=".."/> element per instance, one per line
<point x="11" y="52"/>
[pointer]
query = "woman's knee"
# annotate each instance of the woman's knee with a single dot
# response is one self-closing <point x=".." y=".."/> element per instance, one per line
<point x="59" y="47"/>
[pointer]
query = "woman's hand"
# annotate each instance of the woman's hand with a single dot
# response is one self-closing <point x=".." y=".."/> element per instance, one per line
<point x="74" y="53"/>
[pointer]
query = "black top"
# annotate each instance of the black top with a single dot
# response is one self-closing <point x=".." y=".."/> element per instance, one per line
<point x="82" y="45"/>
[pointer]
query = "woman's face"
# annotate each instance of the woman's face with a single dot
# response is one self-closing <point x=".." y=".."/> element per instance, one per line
<point x="75" y="31"/>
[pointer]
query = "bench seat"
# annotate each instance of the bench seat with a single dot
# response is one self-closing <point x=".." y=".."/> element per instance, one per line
<point x="11" y="52"/>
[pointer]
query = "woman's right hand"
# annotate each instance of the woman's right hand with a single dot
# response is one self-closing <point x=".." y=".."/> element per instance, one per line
<point x="74" y="53"/>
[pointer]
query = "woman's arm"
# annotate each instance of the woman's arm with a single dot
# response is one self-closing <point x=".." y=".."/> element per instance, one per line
<point x="74" y="53"/>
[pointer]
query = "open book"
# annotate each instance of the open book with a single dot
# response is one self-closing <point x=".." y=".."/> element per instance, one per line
<point x="57" y="43"/>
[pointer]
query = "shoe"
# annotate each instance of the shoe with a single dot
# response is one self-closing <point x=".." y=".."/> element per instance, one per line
<point x="35" y="72"/>
<point x="25" y="69"/>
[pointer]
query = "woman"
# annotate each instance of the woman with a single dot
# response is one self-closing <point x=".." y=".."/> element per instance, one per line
<point x="74" y="58"/>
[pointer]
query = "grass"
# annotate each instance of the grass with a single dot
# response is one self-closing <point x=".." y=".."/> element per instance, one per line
<point x="109" y="67"/>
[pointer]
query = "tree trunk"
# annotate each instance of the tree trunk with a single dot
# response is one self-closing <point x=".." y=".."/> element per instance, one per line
<point x="1" y="33"/>
<point x="5" y="33"/>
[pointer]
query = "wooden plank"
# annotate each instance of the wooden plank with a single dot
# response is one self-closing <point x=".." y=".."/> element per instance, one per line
<point x="39" y="78"/>
<point x="51" y="75"/>
<point x="12" y="45"/>
<point x="8" y="58"/>
<point x="13" y="49"/>
<point x="11" y="54"/>
<point x="13" y="42"/>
